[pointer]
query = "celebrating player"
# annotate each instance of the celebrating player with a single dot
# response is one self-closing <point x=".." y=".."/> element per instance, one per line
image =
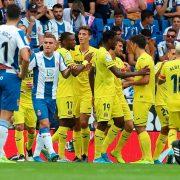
<point x="46" y="66"/>
<point x="107" y="104"/>
<point x="13" y="45"/>
<point x="144" y="95"/>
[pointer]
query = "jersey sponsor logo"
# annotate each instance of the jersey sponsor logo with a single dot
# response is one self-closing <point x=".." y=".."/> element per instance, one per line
<point x="49" y="74"/>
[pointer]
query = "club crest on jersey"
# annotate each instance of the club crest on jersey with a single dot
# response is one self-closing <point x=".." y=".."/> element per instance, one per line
<point x="108" y="57"/>
<point x="38" y="112"/>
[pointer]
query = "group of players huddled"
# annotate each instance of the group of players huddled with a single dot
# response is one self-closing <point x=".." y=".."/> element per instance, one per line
<point x="76" y="79"/>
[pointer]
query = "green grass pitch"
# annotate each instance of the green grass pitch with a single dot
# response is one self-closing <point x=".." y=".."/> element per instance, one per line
<point x="87" y="171"/>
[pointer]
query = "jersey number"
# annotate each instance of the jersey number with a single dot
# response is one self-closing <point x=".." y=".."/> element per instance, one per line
<point x="5" y="46"/>
<point x="176" y="83"/>
<point x="106" y="106"/>
<point x="69" y="104"/>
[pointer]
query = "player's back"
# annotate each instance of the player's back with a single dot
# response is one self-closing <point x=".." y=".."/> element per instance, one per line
<point x="104" y="79"/>
<point x="171" y="70"/>
<point x="11" y="40"/>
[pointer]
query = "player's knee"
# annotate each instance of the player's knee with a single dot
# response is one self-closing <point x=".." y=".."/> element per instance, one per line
<point x="31" y="130"/>
<point x="129" y="126"/>
<point x="102" y="125"/>
<point x="165" y="130"/>
<point x="19" y="127"/>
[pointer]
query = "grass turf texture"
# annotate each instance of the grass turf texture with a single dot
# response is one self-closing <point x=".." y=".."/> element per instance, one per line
<point x="84" y="171"/>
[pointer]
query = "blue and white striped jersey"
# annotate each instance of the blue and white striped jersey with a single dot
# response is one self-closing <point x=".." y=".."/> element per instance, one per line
<point x="57" y="28"/>
<point x="46" y="73"/>
<point x="37" y="30"/>
<point x="12" y="39"/>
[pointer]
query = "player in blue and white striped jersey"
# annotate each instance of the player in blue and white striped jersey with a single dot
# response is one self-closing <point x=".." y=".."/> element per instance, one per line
<point x="57" y="25"/>
<point x="13" y="48"/>
<point x="46" y="66"/>
<point x="34" y="27"/>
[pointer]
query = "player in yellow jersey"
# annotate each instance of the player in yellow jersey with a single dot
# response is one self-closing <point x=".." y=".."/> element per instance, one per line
<point x="25" y="118"/>
<point x="83" y="95"/>
<point x="170" y="75"/>
<point x="128" y="125"/>
<point x="65" y="92"/>
<point x="107" y="104"/>
<point x="144" y="96"/>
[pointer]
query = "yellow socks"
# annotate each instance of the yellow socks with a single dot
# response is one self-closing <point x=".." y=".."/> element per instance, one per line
<point x="160" y="144"/>
<point x="77" y="143"/>
<point x="145" y="143"/>
<point x="31" y="138"/>
<point x="99" y="138"/>
<point x="55" y="136"/>
<point x="85" y="140"/>
<point x="62" y="141"/>
<point x="112" y="133"/>
<point x="123" y="139"/>
<point x="19" y="138"/>
<point x="172" y="136"/>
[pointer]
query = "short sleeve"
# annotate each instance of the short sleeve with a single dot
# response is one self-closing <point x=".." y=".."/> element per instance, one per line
<point x="62" y="65"/>
<point x="40" y="29"/>
<point x="108" y="60"/>
<point x="22" y="41"/>
<point x="68" y="59"/>
<point x="162" y="75"/>
<point x="157" y="67"/>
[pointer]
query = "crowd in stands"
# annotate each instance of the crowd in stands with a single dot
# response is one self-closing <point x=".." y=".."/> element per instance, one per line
<point x="158" y="21"/>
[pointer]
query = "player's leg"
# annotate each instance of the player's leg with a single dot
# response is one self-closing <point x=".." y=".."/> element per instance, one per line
<point x="85" y="109"/>
<point x="10" y="93"/>
<point x="125" y="134"/>
<point x="141" y="111"/>
<point x="162" y="138"/>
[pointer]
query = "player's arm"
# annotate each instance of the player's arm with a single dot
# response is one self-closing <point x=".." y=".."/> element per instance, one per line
<point x="65" y="71"/>
<point x="91" y="78"/>
<point x="158" y="72"/>
<point x="118" y="73"/>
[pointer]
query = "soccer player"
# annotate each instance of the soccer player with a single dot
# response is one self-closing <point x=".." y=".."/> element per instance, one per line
<point x="170" y="75"/>
<point x="65" y="91"/>
<point x="144" y="95"/>
<point x="46" y="66"/>
<point x="13" y="47"/>
<point x="107" y="104"/>
<point x="83" y="95"/>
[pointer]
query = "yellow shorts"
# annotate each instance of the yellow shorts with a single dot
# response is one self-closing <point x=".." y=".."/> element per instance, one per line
<point x="126" y="110"/>
<point x="141" y="111"/>
<point x="83" y="105"/>
<point x="65" y="106"/>
<point x="174" y="119"/>
<point x="25" y="116"/>
<point x="163" y="115"/>
<point x="107" y="108"/>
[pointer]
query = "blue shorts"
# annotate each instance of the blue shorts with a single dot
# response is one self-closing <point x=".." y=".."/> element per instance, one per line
<point x="44" y="108"/>
<point x="10" y="85"/>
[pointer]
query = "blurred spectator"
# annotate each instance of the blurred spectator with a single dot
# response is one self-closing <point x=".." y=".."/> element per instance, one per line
<point x="176" y="26"/>
<point x="103" y="10"/>
<point x="89" y="5"/>
<point x="57" y="25"/>
<point x="169" y="43"/>
<point x="33" y="26"/>
<point x="132" y="8"/>
<point x="118" y="17"/>
<point x="167" y="8"/>
<point x="145" y="23"/>
<point x="74" y="15"/>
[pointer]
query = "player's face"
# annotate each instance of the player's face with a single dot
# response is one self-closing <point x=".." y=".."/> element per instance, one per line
<point x="118" y="19"/>
<point x="71" y="42"/>
<point x="83" y="36"/>
<point x="49" y="45"/>
<point x="58" y="13"/>
<point x="176" y="23"/>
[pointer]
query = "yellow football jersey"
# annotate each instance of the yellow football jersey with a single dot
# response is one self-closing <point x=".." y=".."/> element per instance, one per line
<point x="26" y="90"/>
<point x="145" y="93"/>
<point x="81" y="82"/>
<point x="65" y="87"/>
<point x="161" y="90"/>
<point x="171" y="73"/>
<point x="104" y="79"/>
<point x="118" y="81"/>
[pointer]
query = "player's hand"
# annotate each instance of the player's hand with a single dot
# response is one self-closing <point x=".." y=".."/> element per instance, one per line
<point x="128" y="67"/>
<point x="144" y="71"/>
<point x="88" y="57"/>
<point x="73" y="67"/>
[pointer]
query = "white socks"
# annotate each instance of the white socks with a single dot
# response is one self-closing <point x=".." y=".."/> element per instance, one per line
<point x="47" y="139"/>
<point x="3" y="138"/>
<point x="39" y="145"/>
